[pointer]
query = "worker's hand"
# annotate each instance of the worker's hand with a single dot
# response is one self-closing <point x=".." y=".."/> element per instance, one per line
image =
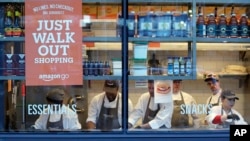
<point x="130" y="125"/>
<point x="138" y="127"/>
<point x="233" y="116"/>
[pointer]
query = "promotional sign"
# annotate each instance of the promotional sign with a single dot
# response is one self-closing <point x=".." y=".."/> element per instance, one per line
<point x="53" y="42"/>
<point x="163" y="90"/>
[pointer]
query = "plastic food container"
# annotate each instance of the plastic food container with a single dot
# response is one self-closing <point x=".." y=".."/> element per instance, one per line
<point x="117" y="66"/>
<point x="139" y="67"/>
<point x="140" y="51"/>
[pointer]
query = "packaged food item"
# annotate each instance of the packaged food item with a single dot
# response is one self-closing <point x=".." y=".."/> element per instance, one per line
<point x="170" y="66"/>
<point x="222" y="26"/>
<point x="20" y="64"/>
<point x="188" y="66"/>
<point x="146" y="24"/>
<point x="163" y="24"/>
<point x="180" y="24"/>
<point x="182" y="66"/>
<point x="17" y="31"/>
<point x="176" y="66"/>
<point x="233" y="26"/>
<point x="131" y="24"/>
<point x="243" y="26"/>
<point x="211" y="26"/>
<point x="9" y="64"/>
<point x="154" y="66"/>
<point x="8" y="25"/>
<point x="201" y="26"/>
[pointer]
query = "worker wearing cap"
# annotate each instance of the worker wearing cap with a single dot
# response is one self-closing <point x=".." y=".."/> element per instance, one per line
<point x="153" y="115"/>
<point x="182" y="103"/>
<point x="222" y="116"/>
<point x="213" y="83"/>
<point x="58" y="116"/>
<point x="105" y="109"/>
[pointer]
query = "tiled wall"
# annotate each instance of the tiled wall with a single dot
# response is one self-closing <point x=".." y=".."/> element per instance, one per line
<point x="206" y="61"/>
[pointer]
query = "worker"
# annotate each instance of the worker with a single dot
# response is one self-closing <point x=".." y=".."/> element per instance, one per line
<point x="213" y="83"/>
<point x="182" y="116"/>
<point x="222" y="116"/>
<point x="153" y="115"/>
<point x="105" y="109"/>
<point x="57" y="116"/>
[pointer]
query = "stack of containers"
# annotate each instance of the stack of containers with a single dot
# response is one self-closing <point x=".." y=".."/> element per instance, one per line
<point x="156" y="24"/>
<point x="131" y="24"/>
<point x="117" y="66"/>
<point x="163" y="24"/>
<point x="139" y="62"/>
<point x="180" y="24"/>
<point x="145" y="25"/>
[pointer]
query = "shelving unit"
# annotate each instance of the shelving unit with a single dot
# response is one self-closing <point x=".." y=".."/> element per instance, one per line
<point x="178" y="44"/>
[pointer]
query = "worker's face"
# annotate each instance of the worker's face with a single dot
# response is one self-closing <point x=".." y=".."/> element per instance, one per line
<point x="214" y="86"/>
<point x="111" y="96"/>
<point x="176" y="86"/>
<point x="228" y="103"/>
<point x="151" y="89"/>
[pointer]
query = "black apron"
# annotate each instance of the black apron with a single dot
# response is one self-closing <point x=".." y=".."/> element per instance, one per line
<point x="55" y="125"/>
<point x="150" y="114"/>
<point x="108" y="117"/>
<point x="179" y="120"/>
<point x="214" y="104"/>
<point x="226" y="124"/>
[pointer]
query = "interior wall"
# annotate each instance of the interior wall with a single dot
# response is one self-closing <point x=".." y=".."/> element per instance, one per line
<point x="212" y="61"/>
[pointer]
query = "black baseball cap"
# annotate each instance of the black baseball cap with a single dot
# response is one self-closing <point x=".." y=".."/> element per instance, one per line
<point x="211" y="77"/>
<point x="228" y="94"/>
<point x="111" y="86"/>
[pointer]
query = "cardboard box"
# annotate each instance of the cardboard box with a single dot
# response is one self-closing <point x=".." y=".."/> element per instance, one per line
<point x="90" y="10"/>
<point x="88" y="34"/>
<point x="248" y="14"/>
<point x="185" y="8"/>
<point x="201" y="10"/>
<point x="135" y="8"/>
<point x="220" y="10"/>
<point x="107" y="11"/>
<point x="211" y="9"/>
<point x="104" y="33"/>
<point x="171" y="8"/>
<point x="208" y="10"/>
<point x="237" y="10"/>
<point x="103" y="25"/>
<point x="146" y="8"/>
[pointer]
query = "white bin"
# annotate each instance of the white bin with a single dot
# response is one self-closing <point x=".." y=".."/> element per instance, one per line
<point x="140" y="51"/>
<point x="139" y="67"/>
<point x="117" y="67"/>
<point x="139" y="71"/>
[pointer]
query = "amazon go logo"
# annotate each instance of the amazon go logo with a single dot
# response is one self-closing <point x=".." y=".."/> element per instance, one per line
<point x="51" y="77"/>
